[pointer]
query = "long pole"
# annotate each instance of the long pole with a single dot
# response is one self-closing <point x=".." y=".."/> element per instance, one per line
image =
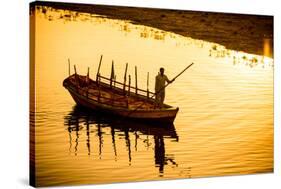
<point x="172" y="79"/>
<point x="182" y="72"/>
<point x="161" y="89"/>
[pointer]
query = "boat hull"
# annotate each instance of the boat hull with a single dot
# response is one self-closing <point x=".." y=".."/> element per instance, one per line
<point x="152" y="115"/>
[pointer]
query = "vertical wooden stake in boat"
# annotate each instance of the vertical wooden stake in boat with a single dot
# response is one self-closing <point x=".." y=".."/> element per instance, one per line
<point x="129" y="85"/>
<point x="125" y="78"/>
<point x="75" y="69"/>
<point x="98" y="72"/>
<point x="129" y="88"/>
<point x="98" y="81"/>
<point x="113" y="94"/>
<point x="112" y="74"/>
<point x="88" y="76"/>
<point x="147" y="85"/>
<point x="114" y="82"/>
<point x="76" y="80"/>
<point x="68" y="67"/>
<point x="136" y="74"/>
<point x="87" y="82"/>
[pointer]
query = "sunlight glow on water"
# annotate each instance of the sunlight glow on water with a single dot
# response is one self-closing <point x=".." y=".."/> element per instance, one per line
<point x="224" y="125"/>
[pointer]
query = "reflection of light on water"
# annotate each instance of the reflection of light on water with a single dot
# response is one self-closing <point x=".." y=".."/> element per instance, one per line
<point x="215" y="50"/>
<point x="238" y="57"/>
<point x="267" y="51"/>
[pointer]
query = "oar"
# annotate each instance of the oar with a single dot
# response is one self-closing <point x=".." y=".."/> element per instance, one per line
<point x="160" y="89"/>
<point x="173" y="79"/>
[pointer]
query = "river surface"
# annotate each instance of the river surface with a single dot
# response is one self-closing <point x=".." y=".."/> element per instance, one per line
<point x="224" y="125"/>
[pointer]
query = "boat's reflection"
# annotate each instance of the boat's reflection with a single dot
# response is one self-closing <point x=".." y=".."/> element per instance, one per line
<point x="81" y="120"/>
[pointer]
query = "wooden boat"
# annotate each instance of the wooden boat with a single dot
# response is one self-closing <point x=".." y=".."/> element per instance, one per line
<point x="111" y="96"/>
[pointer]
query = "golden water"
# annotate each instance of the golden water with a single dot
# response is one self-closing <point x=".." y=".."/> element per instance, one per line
<point x="225" y="120"/>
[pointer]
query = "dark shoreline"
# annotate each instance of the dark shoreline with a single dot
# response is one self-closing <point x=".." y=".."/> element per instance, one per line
<point x="239" y="32"/>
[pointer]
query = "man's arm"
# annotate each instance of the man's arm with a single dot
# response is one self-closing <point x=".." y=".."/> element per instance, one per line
<point x="169" y="81"/>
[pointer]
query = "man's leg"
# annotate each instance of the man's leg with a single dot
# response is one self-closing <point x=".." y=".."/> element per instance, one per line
<point x="157" y="101"/>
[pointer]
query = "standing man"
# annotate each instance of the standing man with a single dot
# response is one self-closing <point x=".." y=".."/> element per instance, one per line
<point x="160" y="82"/>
